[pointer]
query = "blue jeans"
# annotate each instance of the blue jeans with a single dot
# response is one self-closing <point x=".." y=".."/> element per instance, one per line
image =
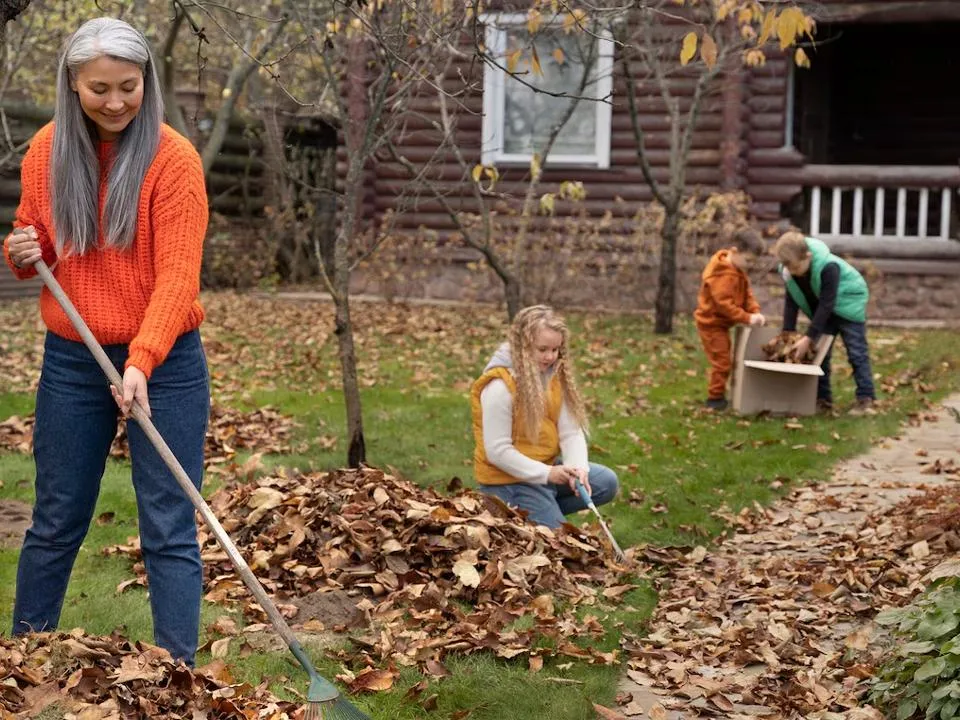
<point x="854" y="336"/>
<point x="547" y="504"/>
<point x="76" y="420"/>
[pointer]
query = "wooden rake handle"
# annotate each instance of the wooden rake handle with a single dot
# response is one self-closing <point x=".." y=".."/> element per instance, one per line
<point x="150" y="430"/>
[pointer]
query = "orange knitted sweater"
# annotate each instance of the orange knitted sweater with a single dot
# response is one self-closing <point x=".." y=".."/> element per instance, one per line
<point x="146" y="296"/>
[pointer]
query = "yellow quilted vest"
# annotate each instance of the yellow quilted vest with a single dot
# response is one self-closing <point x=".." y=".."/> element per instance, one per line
<point x="545" y="449"/>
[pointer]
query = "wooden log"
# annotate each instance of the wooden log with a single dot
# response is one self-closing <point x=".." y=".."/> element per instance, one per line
<point x="774" y="193"/>
<point x="767" y="103"/>
<point x="890" y="248"/>
<point x="10" y="190"/>
<point x="28" y="111"/>
<point x="768" y="86"/>
<point x="889" y="12"/>
<point x="767" y="139"/>
<point x="237" y="163"/>
<point x="882" y="175"/>
<point x="775" y="175"/>
<point x="774" y="157"/>
<point x="233" y="205"/>
<point x="765" y="211"/>
<point x="767" y="121"/>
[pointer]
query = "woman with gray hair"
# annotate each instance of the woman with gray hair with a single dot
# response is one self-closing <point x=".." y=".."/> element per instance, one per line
<point x="114" y="201"/>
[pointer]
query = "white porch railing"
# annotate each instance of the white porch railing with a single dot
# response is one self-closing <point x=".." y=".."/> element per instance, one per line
<point x="888" y="202"/>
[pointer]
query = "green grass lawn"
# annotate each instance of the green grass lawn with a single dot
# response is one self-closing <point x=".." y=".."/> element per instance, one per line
<point x="677" y="464"/>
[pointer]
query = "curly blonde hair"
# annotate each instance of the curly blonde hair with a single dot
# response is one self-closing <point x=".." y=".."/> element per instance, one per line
<point x="530" y="388"/>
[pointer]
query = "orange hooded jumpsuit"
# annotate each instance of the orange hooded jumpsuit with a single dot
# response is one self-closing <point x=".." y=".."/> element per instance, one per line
<point x="725" y="300"/>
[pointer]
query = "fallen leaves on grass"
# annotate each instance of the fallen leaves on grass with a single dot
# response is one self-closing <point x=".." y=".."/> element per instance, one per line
<point x="261" y="431"/>
<point x="430" y="574"/>
<point x="777" y="618"/>
<point x="78" y="675"/>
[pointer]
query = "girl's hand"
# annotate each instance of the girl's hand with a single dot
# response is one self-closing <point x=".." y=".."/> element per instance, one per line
<point x="563" y="475"/>
<point x="583" y="475"/>
<point x="134" y="389"/>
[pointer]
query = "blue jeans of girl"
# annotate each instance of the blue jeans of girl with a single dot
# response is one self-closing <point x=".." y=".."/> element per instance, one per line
<point x="76" y="420"/>
<point x="547" y="504"/>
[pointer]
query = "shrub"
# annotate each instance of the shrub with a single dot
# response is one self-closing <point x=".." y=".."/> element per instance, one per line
<point x="922" y="677"/>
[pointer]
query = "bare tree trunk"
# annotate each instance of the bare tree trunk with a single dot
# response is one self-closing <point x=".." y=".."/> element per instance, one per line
<point x="343" y="327"/>
<point x="168" y="75"/>
<point x="667" y="280"/>
<point x="513" y="289"/>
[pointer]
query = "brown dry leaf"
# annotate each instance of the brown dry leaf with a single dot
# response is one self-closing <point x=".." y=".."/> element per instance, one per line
<point x="657" y="712"/>
<point x="220" y="648"/>
<point x="605" y="713"/>
<point x="536" y="663"/>
<point x="370" y="680"/>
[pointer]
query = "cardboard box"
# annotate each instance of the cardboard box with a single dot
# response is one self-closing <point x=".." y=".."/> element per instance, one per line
<point x="775" y="387"/>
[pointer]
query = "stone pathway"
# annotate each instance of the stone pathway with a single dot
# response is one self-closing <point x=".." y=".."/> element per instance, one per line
<point x="776" y="621"/>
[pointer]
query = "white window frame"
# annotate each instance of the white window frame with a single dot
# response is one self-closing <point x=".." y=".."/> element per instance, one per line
<point x="494" y="98"/>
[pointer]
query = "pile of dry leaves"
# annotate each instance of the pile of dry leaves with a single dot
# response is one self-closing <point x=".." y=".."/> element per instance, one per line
<point x="778" y="349"/>
<point x="110" y="678"/>
<point x="776" y="621"/>
<point x="264" y="431"/>
<point x="426" y="574"/>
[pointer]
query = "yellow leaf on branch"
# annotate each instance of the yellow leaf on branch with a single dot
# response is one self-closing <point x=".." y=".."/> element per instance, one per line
<point x="689" y="48"/>
<point x="476" y="173"/>
<point x="790" y="26"/>
<point x="547" y="203"/>
<point x="535" y="61"/>
<point x="708" y="50"/>
<point x="513" y="58"/>
<point x="801" y="58"/>
<point x="559" y="56"/>
<point x="534" y="20"/>
<point x="754" y="58"/>
<point x="769" y="25"/>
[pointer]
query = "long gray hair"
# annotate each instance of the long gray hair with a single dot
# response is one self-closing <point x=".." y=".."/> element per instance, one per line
<point x="75" y="163"/>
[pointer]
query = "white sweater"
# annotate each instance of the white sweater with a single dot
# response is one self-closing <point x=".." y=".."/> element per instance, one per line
<point x="496" y="402"/>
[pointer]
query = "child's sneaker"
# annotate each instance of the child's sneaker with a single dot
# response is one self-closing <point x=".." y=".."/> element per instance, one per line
<point x="863" y="406"/>
<point x="824" y="407"/>
<point x="717" y="404"/>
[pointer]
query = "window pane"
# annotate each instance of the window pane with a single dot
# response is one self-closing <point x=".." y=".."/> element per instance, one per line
<point x="529" y="116"/>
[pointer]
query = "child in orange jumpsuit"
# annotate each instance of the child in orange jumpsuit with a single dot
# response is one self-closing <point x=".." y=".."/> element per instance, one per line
<point x="726" y="300"/>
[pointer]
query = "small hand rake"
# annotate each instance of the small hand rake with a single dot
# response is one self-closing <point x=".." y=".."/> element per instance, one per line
<point x="588" y="501"/>
<point x="324" y="701"/>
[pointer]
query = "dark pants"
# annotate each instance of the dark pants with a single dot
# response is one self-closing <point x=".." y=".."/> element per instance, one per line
<point x="76" y="420"/>
<point x="854" y="336"/>
<point x="547" y="504"/>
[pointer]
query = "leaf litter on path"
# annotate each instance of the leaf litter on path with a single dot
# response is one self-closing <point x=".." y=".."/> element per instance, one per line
<point x="427" y="574"/>
<point x="776" y="620"/>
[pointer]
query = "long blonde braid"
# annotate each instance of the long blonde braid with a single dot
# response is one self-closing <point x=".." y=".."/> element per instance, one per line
<point x="530" y="391"/>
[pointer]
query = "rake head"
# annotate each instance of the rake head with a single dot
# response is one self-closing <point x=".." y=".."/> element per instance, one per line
<point x="337" y="709"/>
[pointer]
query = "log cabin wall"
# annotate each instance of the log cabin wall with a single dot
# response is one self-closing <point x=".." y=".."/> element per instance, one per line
<point x="620" y="188"/>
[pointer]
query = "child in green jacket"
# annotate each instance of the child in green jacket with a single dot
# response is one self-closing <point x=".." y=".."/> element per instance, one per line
<point x="833" y="295"/>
